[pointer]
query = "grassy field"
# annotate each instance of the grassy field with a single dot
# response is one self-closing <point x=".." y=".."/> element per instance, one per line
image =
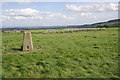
<point x="92" y="54"/>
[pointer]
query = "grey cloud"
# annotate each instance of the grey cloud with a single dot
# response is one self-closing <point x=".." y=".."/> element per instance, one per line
<point x="96" y="7"/>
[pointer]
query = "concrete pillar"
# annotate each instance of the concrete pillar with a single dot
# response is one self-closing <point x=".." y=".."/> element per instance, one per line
<point x="27" y="43"/>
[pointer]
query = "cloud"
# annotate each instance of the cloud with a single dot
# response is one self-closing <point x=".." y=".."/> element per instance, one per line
<point x="88" y="15"/>
<point x="70" y="0"/>
<point x="21" y="12"/>
<point x="32" y="14"/>
<point x="33" y="17"/>
<point x="20" y="17"/>
<point x="19" y="1"/>
<point x="75" y="14"/>
<point x="96" y="7"/>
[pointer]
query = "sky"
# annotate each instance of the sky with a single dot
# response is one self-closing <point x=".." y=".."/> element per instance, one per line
<point x="32" y="14"/>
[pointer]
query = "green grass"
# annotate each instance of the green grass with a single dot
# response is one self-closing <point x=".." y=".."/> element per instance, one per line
<point x="92" y="54"/>
<point x="0" y="55"/>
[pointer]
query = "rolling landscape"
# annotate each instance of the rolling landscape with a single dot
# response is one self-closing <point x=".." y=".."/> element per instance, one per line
<point x="107" y="24"/>
<point x="59" y="40"/>
<point x="83" y="54"/>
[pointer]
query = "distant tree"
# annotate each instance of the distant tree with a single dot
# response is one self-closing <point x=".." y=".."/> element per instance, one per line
<point x="99" y="26"/>
<point x="105" y="26"/>
<point x="116" y="25"/>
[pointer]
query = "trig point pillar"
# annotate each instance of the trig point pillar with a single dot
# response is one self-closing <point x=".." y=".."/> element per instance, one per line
<point x="27" y="43"/>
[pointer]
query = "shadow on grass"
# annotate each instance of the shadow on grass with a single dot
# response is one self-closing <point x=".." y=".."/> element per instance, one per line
<point x="17" y="49"/>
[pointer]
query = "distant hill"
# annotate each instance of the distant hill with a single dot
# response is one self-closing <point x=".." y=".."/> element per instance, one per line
<point x="108" y="24"/>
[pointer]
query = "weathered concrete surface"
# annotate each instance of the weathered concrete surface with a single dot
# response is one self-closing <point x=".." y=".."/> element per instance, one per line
<point x="27" y="43"/>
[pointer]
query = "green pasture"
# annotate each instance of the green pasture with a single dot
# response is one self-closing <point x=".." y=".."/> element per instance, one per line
<point x="87" y="54"/>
